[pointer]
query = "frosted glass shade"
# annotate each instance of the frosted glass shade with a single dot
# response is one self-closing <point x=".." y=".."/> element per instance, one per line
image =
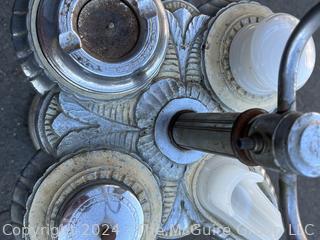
<point x="256" y="53"/>
<point x="229" y="191"/>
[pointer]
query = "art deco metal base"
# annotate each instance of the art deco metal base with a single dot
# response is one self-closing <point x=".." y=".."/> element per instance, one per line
<point x="102" y="120"/>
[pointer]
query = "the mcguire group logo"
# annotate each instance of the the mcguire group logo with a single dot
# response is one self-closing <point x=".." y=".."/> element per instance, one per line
<point x="195" y="230"/>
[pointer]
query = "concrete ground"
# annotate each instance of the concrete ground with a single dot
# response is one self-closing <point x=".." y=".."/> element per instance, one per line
<point x="16" y="95"/>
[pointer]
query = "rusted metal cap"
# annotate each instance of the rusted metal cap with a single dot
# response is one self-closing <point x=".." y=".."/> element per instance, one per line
<point x="109" y="30"/>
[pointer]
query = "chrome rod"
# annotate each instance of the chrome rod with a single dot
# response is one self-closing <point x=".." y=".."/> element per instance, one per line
<point x="291" y="56"/>
<point x="256" y="137"/>
<point x="308" y="25"/>
<point x="290" y="207"/>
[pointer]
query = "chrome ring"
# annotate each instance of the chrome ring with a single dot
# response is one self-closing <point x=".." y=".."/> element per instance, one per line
<point x="81" y="73"/>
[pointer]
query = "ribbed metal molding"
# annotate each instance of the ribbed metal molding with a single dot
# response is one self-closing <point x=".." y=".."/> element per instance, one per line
<point x="25" y="50"/>
<point x="24" y="187"/>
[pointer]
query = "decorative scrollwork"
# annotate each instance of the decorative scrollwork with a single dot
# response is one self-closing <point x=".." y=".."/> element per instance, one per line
<point x="185" y="29"/>
<point x="69" y="123"/>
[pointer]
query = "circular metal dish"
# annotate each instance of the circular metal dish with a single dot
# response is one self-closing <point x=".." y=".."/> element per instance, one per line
<point x="96" y="179"/>
<point x="59" y="51"/>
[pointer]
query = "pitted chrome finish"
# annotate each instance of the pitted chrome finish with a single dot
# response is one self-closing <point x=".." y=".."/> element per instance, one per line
<point x="118" y="112"/>
<point x="299" y="143"/>
<point x="83" y="61"/>
<point x="286" y="141"/>
<point x="106" y="211"/>
<point x="162" y="130"/>
<point x="85" y="194"/>
<point x="283" y="142"/>
<point x="145" y="8"/>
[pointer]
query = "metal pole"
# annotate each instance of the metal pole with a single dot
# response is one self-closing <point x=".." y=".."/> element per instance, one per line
<point x="287" y="102"/>
<point x="219" y="132"/>
<point x="208" y="132"/>
<point x="290" y="207"/>
<point x="290" y="59"/>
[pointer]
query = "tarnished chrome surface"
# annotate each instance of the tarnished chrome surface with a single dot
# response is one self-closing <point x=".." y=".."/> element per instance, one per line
<point x="162" y="130"/>
<point x="106" y="211"/>
<point x="286" y="102"/>
<point x="298" y="40"/>
<point x="63" y="50"/>
<point x="106" y="33"/>
<point x="122" y="115"/>
<point x="302" y="145"/>
<point x="287" y="141"/>
<point x="140" y="203"/>
<point x="283" y="142"/>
